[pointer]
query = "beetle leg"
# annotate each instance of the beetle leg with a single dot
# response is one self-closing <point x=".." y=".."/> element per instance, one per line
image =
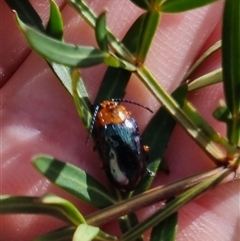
<point x="96" y="146"/>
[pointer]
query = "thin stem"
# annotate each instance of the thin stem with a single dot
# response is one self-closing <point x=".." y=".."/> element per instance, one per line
<point x="149" y="197"/>
<point x="175" y="204"/>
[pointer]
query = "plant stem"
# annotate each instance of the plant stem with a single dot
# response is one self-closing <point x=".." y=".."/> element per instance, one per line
<point x="181" y="117"/>
<point x="175" y="204"/>
<point x="150" y="197"/>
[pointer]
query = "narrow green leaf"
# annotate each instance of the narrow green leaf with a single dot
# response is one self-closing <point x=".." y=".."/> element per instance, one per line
<point x="26" y="13"/>
<point x="113" y="84"/>
<point x="85" y="232"/>
<point x="74" y="180"/>
<point x="65" y="206"/>
<point x="62" y="234"/>
<point x="147" y="32"/>
<point x="144" y="4"/>
<point x="210" y="51"/>
<point x="213" y="138"/>
<point x="85" y="11"/>
<point x="115" y="80"/>
<point x="175" y="6"/>
<point x="81" y="99"/>
<point x="231" y="66"/>
<point x="180" y="115"/>
<point x="133" y="35"/>
<point x="101" y="32"/>
<point x="211" y="78"/>
<point x="63" y="73"/>
<point x="55" y="24"/>
<point x="36" y="205"/>
<point x="157" y="135"/>
<point x="59" y="52"/>
<point x="166" y="229"/>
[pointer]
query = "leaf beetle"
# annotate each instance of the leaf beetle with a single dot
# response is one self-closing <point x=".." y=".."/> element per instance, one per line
<point x="119" y="143"/>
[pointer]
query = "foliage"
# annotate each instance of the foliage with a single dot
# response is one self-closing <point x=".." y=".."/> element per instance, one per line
<point x="124" y="59"/>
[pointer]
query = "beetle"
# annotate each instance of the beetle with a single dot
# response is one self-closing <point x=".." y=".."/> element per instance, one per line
<point x="119" y="143"/>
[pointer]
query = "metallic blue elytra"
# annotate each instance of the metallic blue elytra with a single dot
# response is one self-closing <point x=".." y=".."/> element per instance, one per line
<point x="119" y="143"/>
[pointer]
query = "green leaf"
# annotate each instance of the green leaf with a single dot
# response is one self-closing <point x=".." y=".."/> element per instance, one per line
<point x="48" y="204"/>
<point x="157" y="135"/>
<point x="115" y="80"/>
<point x="146" y="33"/>
<point x="133" y="35"/>
<point x="175" y="6"/>
<point x="213" y="138"/>
<point x="62" y="234"/>
<point x="85" y="11"/>
<point x="81" y="99"/>
<point x="63" y="73"/>
<point x="85" y="232"/>
<point x="113" y="84"/>
<point x="209" y="52"/>
<point x="101" y="32"/>
<point x="74" y="180"/>
<point x="65" y="206"/>
<point x="180" y="115"/>
<point x="144" y="4"/>
<point x="206" y="80"/>
<point x="26" y="13"/>
<point x="166" y="229"/>
<point x="59" y="52"/>
<point x="231" y="66"/>
<point x="55" y="24"/>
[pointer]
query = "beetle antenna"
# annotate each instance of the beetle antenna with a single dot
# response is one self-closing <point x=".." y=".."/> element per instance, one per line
<point x="92" y="123"/>
<point x="132" y="102"/>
